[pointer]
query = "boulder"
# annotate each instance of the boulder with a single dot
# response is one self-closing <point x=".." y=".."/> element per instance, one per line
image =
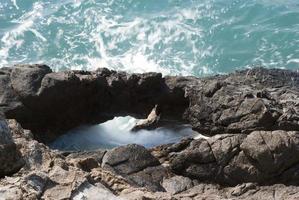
<point x="262" y="156"/>
<point x="137" y="165"/>
<point x="129" y="159"/>
<point x="177" y="184"/>
<point x="273" y="152"/>
<point x="10" y="158"/>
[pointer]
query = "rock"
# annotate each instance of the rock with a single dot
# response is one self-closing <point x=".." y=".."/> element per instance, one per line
<point x="10" y="158"/>
<point x="86" y="160"/>
<point x="26" y="79"/>
<point x="150" y="178"/>
<point x="262" y="157"/>
<point x="116" y="183"/>
<point x="251" y="114"/>
<point x="137" y="165"/>
<point x="36" y="183"/>
<point x="177" y="184"/>
<point x="150" y="122"/>
<point x="11" y="192"/>
<point x="273" y="152"/>
<point x="129" y="159"/>
<point x="243" y="188"/>
<point x="213" y="111"/>
<point x="94" y="192"/>
<point x="259" y="99"/>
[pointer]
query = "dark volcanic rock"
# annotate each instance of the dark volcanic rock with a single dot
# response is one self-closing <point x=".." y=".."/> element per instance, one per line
<point x="257" y="99"/>
<point x="136" y="163"/>
<point x="10" y="158"/>
<point x="129" y="159"/>
<point x="262" y="156"/>
<point x="50" y="103"/>
<point x="253" y="115"/>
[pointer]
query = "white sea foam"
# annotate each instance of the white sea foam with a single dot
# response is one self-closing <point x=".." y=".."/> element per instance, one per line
<point x="12" y="39"/>
<point x="15" y="3"/>
<point x="182" y="38"/>
<point x="117" y="132"/>
<point x="294" y="60"/>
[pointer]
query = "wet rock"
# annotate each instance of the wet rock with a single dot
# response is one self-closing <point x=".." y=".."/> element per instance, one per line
<point x="150" y="122"/>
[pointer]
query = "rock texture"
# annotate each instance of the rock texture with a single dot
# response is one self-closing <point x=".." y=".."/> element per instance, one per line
<point x="111" y="174"/>
<point x="49" y="103"/>
<point x="151" y="122"/>
<point x="252" y="116"/>
<point x="10" y="158"/>
<point x="262" y="157"/>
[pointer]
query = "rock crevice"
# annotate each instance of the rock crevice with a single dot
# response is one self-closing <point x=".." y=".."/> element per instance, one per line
<point x="252" y="116"/>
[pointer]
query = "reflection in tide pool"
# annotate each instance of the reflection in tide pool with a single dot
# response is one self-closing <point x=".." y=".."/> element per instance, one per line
<point x="117" y="132"/>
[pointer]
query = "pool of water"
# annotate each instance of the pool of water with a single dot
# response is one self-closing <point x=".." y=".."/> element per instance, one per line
<point x="117" y="132"/>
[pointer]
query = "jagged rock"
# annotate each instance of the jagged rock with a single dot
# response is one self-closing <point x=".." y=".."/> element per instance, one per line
<point x="262" y="156"/>
<point x="150" y="178"/>
<point x="26" y="81"/>
<point x="136" y="163"/>
<point x="51" y="175"/>
<point x="94" y="192"/>
<point x="10" y="158"/>
<point x="272" y="152"/>
<point x="150" y="122"/>
<point x="36" y="156"/>
<point x="47" y="174"/>
<point x="86" y="160"/>
<point x="255" y="127"/>
<point x="177" y="184"/>
<point x="129" y="159"/>
<point x="50" y="103"/>
<point x="116" y="183"/>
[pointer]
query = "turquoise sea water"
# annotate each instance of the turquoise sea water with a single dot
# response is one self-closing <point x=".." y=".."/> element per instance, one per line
<point x="186" y="37"/>
<point x="197" y="37"/>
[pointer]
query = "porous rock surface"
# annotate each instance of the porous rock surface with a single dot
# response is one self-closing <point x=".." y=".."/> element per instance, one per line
<point x="49" y="103"/>
<point x="110" y="174"/>
<point x="10" y="159"/>
<point x="252" y="116"/>
<point x="262" y="157"/>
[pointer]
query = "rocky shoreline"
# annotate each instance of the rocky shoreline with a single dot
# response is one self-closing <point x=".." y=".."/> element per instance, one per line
<point x="252" y="117"/>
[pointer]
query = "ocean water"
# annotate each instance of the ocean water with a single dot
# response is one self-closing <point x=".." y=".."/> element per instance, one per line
<point x="117" y="132"/>
<point x="188" y="37"/>
<point x="174" y="37"/>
